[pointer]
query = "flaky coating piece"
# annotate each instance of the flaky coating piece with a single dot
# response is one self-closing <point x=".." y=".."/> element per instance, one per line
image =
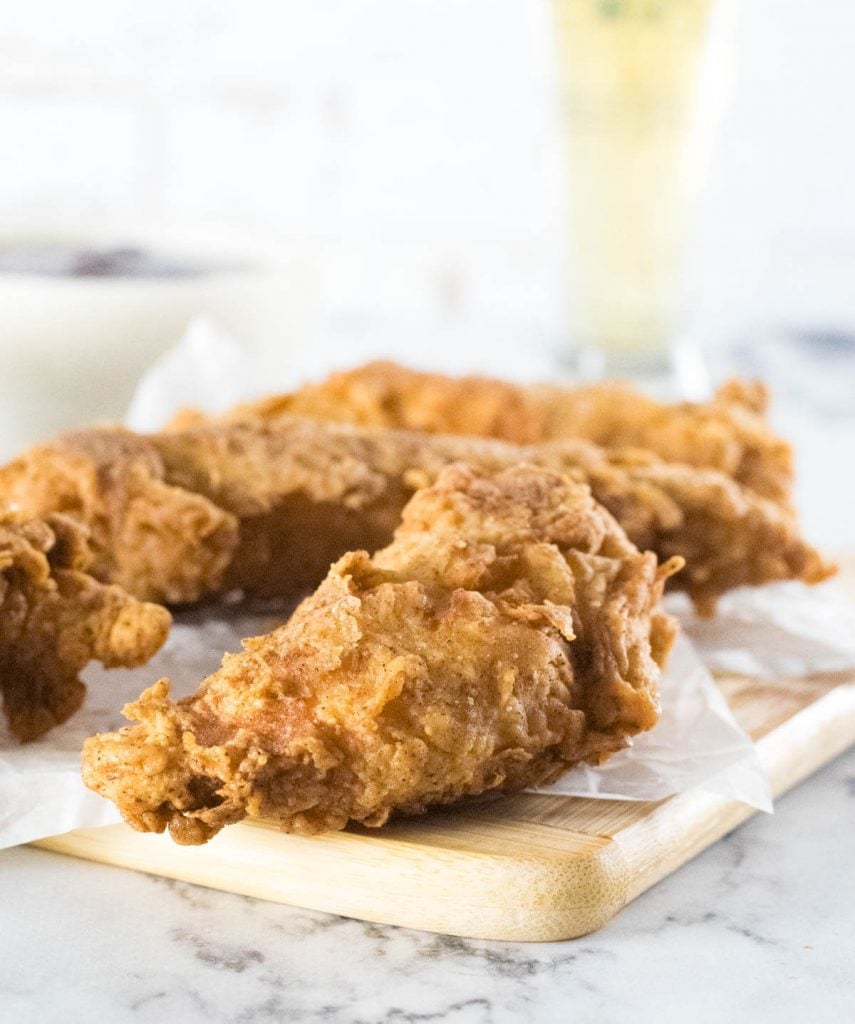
<point x="159" y="542"/>
<point x="728" y="433"/>
<point x="55" y="618"/>
<point x="510" y="630"/>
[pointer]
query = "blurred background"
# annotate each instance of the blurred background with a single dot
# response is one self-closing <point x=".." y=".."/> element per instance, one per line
<point x="384" y="177"/>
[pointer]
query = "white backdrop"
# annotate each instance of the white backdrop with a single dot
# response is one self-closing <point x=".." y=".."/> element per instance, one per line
<point x="408" y="149"/>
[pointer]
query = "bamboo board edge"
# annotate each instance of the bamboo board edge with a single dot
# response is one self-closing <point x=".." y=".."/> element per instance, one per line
<point x="550" y="892"/>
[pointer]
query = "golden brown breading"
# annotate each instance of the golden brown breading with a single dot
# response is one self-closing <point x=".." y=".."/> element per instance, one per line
<point x="729" y="433"/>
<point x="304" y="492"/>
<point x="509" y="631"/>
<point x="266" y="507"/>
<point x="159" y="542"/>
<point x="55" y="618"/>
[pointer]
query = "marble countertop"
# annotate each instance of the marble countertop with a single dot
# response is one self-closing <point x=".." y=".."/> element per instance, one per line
<point x="758" y="928"/>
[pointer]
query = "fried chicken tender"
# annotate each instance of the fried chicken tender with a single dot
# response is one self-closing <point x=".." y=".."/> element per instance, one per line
<point x="305" y="492"/>
<point x="728" y="434"/>
<point x="55" y="618"/>
<point x="266" y="507"/>
<point x="510" y="630"/>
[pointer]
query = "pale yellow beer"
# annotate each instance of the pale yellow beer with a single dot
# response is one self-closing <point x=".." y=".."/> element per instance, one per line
<point x="630" y="71"/>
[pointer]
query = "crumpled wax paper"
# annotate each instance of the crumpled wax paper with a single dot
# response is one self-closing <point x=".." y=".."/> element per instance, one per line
<point x="777" y="631"/>
<point x="781" y="631"/>
<point x="696" y="744"/>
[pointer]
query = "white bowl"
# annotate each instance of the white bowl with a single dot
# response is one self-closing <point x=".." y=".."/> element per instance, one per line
<point x="73" y="347"/>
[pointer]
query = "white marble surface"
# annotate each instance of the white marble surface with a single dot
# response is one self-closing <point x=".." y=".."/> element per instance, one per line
<point x="758" y="928"/>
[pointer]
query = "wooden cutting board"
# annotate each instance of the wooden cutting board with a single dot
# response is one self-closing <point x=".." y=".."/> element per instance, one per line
<point x="529" y="868"/>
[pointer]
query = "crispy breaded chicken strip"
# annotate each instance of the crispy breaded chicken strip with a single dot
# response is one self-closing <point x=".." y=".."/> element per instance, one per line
<point x="509" y="631"/>
<point x="304" y="492"/>
<point x="728" y="433"/>
<point x="55" y="618"/>
<point x="267" y="507"/>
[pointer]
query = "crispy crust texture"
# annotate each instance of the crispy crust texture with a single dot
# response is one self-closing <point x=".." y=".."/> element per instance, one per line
<point x="729" y="433"/>
<point x="54" y="618"/>
<point x="161" y="543"/>
<point x="306" y="491"/>
<point x="267" y="506"/>
<point x="509" y="630"/>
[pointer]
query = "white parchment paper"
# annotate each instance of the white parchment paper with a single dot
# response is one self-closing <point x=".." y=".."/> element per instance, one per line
<point x="781" y="631"/>
<point x="696" y="744"/>
<point x="778" y="631"/>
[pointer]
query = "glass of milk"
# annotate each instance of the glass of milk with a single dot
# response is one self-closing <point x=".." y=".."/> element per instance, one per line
<point x="634" y="75"/>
